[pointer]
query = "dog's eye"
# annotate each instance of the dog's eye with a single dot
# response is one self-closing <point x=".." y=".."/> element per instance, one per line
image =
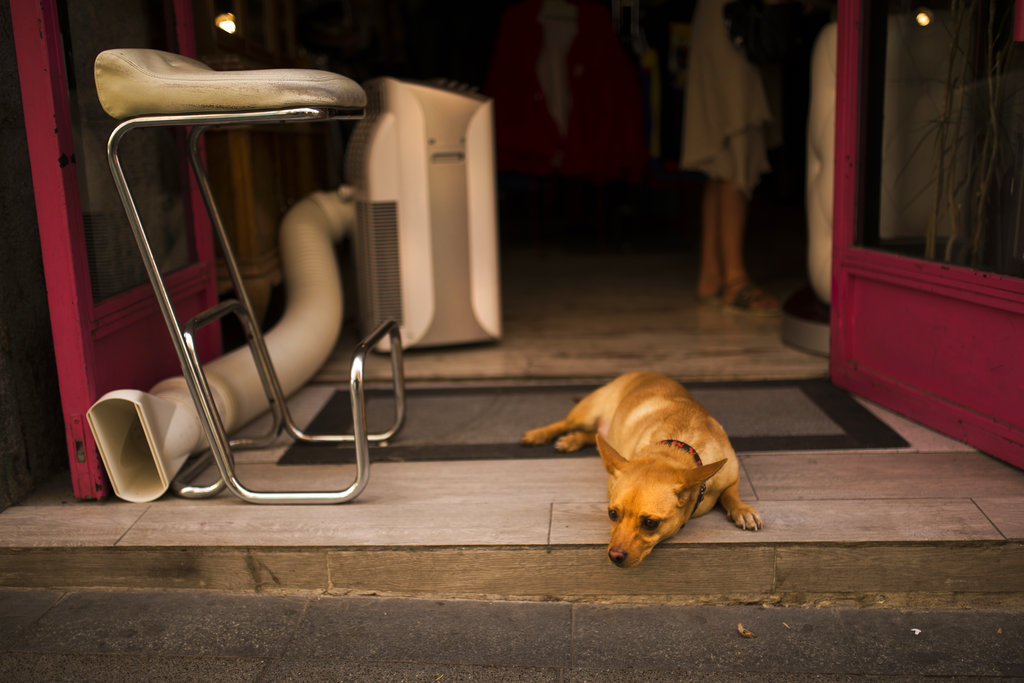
<point x="613" y="515"/>
<point x="650" y="523"/>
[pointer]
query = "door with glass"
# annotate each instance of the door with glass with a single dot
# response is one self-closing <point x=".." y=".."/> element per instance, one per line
<point x="928" y="263"/>
<point x="107" y="330"/>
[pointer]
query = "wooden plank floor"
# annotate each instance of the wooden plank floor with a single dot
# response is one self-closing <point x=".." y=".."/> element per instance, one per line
<point x="935" y="521"/>
<point x="935" y="489"/>
<point x="935" y="518"/>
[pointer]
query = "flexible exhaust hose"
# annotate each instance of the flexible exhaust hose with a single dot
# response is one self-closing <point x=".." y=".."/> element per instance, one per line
<point x="145" y="437"/>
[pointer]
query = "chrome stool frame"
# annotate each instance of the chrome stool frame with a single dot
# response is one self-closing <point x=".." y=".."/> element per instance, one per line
<point x="183" y="337"/>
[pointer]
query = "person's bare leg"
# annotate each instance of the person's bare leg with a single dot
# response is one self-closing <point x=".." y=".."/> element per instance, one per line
<point x="709" y="278"/>
<point x="732" y="214"/>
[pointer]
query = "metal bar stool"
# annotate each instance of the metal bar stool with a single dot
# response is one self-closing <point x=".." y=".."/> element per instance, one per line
<point x="149" y="88"/>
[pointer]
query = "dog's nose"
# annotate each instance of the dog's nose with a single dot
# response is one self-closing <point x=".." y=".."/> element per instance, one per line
<point x="617" y="556"/>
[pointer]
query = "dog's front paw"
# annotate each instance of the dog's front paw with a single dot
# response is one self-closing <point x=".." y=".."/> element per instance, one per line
<point x="747" y="518"/>
<point x="573" y="441"/>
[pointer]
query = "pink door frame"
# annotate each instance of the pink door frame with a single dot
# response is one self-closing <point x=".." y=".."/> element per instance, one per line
<point x="122" y="341"/>
<point x="937" y="343"/>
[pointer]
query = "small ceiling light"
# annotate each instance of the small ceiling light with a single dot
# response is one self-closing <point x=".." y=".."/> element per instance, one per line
<point x="924" y="16"/>
<point x="226" y="22"/>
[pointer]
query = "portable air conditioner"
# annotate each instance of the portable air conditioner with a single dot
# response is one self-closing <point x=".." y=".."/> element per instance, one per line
<point x="426" y="243"/>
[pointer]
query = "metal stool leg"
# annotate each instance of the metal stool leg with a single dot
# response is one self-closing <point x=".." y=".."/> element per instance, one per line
<point x="182" y="486"/>
<point x="183" y="340"/>
<point x="282" y="416"/>
<point x="221" y="448"/>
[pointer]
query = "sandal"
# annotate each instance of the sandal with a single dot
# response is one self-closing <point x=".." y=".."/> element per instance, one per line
<point x="752" y="299"/>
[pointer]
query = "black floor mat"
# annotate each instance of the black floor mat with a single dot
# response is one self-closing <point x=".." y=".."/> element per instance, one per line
<point x="485" y="423"/>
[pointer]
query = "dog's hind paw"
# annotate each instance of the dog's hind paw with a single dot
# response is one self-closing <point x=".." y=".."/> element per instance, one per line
<point x="535" y="437"/>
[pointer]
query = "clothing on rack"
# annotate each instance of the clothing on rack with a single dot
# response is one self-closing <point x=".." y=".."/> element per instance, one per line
<point x="579" y="115"/>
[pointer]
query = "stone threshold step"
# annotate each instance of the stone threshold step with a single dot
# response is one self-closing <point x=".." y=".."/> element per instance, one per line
<point x="969" y="573"/>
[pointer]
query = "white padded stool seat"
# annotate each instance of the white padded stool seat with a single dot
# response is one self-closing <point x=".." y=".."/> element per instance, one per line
<point x="142" y="82"/>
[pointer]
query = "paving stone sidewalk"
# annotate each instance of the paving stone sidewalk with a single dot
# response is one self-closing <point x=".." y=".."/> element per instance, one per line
<point x="143" y="636"/>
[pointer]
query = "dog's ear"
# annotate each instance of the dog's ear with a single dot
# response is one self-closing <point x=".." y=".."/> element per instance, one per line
<point x="691" y="478"/>
<point x="613" y="462"/>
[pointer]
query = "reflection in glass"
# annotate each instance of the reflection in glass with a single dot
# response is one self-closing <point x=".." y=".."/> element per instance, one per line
<point x="952" y="140"/>
<point x="150" y="157"/>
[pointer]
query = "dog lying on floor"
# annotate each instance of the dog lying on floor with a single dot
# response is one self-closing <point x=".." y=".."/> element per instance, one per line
<point x="667" y="459"/>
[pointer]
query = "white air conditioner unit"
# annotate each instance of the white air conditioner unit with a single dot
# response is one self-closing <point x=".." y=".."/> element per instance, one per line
<point x="422" y="164"/>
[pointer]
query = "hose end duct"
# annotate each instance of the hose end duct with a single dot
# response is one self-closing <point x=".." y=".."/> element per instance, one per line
<point x="143" y="441"/>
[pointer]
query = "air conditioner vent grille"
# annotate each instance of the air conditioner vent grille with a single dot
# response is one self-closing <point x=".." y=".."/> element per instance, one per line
<point x="382" y="257"/>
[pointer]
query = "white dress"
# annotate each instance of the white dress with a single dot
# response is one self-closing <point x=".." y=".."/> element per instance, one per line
<point x="726" y="106"/>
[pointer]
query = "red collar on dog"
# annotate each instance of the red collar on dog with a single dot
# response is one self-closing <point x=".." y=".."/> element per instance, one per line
<point x="696" y="458"/>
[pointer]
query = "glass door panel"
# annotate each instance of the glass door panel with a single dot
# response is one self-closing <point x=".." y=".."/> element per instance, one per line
<point x="952" y="138"/>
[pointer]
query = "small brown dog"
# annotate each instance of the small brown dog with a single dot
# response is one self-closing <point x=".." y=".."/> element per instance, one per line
<point x="668" y="460"/>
